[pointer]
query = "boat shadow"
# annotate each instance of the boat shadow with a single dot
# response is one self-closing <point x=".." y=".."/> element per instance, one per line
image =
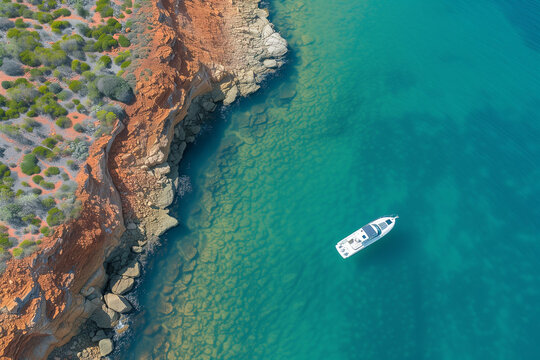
<point x="394" y="247"/>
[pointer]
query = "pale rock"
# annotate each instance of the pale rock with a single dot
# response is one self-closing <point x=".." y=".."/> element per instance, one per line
<point x="117" y="303"/>
<point x="162" y="170"/>
<point x="105" y="347"/>
<point x="270" y="63"/>
<point x="133" y="270"/>
<point x="267" y="31"/>
<point x="121" y="285"/>
<point x="165" y="196"/>
<point x="231" y="95"/>
<point x="136" y="249"/>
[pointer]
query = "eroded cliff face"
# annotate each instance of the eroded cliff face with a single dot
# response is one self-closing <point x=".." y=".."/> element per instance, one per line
<point x="200" y="53"/>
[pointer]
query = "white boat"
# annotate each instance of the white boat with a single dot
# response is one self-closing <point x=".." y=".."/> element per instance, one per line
<point x="365" y="236"/>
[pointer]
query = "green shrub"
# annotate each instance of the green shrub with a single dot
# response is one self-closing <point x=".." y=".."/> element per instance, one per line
<point x="7" y="84"/>
<point x="123" y="41"/>
<point x="36" y="191"/>
<point x="47" y="104"/>
<point x="37" y="179"/>
<point x="88" y="75"/>
<point x="61" y="12"/>
<point x="29" y="165"/>
<point x="53" y="170"/>
<point x="42" y="152"/>
<point x="43" y="17"/>
<point x="4" y="240"/>
<point x="105" y="61"/>
<point x="81" y="108"/>
<point x="58" y="25"/>
<point x="55" y="88"/>
<point x="75" y="85"/>
<point x="48" y="203"/>
<point x="125" y="64"/>
<point x="81" y="11"/>
<point x="28" y="57"/>
<point x="45" y="230"/>
<point x="25" y="184"/>
<point x="26" y="243"/>
<point x="23" y="94"/>
<point x="47" y="185"/>
<point x="51" y="57"/>
<point x="49" y="142"/>
<point x="63" y="122"/>
<point x="79" y="128"/>
<point x="116" y="88"/>
<point x="17" y="252"/>
<point x="55" y="217"/>
<point x="105" y="43"/>
<point x="64" y="95"/>
<point x="21" y="24"/>
<point x="24" y="39"/>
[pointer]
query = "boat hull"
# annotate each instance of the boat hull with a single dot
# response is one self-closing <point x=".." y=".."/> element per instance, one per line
<point x="365" y="236"/>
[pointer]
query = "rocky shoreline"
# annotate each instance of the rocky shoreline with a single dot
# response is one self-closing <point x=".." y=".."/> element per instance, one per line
<point x="160" y="126"/>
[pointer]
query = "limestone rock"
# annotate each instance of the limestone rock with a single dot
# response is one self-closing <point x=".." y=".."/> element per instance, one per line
<point x="270" y="63"/>
<point x="231" y="95"/>
<point x="105" y="347"/>
<point x="117" y="303"/>
<point x="133" y="270"/>
<point x="121" y="285"/>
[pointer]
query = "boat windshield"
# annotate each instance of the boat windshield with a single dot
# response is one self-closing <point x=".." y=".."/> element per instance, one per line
<point x="370" y="231"/>
<point x="377" y="228"/>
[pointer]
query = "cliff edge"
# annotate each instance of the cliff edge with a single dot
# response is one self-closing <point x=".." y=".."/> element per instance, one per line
<point x="198" y="54"/>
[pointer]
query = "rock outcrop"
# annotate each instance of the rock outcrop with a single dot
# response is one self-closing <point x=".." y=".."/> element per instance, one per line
<point x="201" y="53"/>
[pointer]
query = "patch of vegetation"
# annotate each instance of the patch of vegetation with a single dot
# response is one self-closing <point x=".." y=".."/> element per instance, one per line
<point x="79" y="66"/>
<point x="43" y="152"/>
<point x="51" y="171"/>
<point x="37" y="179"/>
<point x="124" y="41"/>
<point x="17" y="252"/>
<point x="115" y="88"/>
<point x="55" y="217"/>
<point x="29" y="165"/>
<point x="63" y="122"/>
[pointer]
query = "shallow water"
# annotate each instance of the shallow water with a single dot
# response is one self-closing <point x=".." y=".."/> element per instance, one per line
<point x="428" y="109"/>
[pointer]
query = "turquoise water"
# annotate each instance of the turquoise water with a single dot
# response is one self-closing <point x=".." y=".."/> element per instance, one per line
<point x="428" y="109"/>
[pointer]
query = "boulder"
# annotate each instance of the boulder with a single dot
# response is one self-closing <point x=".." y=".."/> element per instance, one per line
<point x="121" y="285"/>
<point x="133" y="270"/>
<point x="270" y="63"/>
<point x="100" y="335"/>
<point x="105" y="347"/>
<point x="105" y="318"/>
<point x="117" y="303"/>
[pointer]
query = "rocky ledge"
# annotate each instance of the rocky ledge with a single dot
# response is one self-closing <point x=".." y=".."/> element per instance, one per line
<point x="199" y="54"/>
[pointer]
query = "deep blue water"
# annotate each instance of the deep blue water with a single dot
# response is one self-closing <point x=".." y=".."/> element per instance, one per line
<point x="428" y="109"/>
